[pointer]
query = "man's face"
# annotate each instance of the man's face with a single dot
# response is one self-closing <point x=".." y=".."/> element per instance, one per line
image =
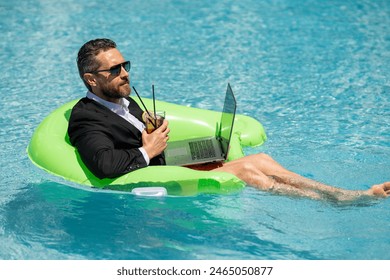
<point x="110" y="86"/>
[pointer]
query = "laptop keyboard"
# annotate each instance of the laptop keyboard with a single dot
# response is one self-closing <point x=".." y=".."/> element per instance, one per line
<point x="202" y="149"/>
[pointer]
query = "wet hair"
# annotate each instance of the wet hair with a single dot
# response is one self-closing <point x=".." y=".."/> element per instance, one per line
<point x="86" y="58"/>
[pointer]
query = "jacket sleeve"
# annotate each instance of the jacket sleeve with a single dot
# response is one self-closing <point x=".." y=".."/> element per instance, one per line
<point x="95" y="144"/>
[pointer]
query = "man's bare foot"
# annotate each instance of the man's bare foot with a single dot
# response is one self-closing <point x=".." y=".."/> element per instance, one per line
<point x="381" y="190"/>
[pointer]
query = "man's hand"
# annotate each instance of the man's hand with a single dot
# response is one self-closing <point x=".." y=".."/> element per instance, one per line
<point x="156" y="142"/>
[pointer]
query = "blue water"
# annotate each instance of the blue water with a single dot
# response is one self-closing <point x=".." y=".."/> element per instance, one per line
<point x="315" y="73"/>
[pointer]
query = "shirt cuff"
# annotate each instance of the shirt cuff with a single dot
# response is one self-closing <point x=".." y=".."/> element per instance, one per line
<point x="146" y="157"/>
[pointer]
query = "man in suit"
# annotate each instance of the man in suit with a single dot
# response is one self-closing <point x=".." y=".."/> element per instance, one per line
<point x="107" y="129"/>
<point x="106" y="126"/>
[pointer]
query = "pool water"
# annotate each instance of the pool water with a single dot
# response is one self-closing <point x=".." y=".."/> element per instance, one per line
<point x="314" y="73"/>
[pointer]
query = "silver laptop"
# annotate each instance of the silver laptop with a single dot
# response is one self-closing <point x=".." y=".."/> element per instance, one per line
<point x="206" y="149"/>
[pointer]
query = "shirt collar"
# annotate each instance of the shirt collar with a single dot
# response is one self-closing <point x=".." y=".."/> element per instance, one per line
<point x="116" y="108"/>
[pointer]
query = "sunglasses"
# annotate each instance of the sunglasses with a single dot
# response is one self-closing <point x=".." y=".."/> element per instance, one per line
<point x="116" y="69"/>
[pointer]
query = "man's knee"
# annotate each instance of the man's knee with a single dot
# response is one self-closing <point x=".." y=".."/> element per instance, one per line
<point x="247" y="167"/>
<point x="253" y="176"/>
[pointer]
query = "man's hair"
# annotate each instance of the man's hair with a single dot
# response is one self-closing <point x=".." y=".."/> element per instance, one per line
<point x="86" y="58"/>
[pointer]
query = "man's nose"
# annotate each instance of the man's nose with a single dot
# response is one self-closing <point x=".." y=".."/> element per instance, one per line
<point x="124" y="73"/>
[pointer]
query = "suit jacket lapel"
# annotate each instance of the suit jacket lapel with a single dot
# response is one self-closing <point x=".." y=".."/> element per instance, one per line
<point x="101" y="109"/>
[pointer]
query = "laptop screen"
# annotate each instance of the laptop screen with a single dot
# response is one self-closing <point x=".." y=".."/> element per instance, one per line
<point x="227" y="119"/>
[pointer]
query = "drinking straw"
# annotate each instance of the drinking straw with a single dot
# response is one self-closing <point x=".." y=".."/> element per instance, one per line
<point x="154" y="107"/>
<point x="146" y="110"/>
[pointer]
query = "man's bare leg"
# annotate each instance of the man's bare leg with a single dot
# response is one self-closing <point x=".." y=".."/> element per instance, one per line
<point x="263" y="172"/>
<point x="253" y="176"/>
<point x="333" y="193"/>
<point x="271" y="168"/>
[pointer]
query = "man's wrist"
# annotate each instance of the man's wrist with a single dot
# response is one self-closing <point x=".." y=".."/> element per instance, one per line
<point x="145" y="155"/>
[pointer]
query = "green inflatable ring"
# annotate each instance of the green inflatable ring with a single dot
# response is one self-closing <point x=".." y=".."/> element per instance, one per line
<point x="51" y="150"/>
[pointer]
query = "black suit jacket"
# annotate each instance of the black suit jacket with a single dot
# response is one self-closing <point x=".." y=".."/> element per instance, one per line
<point x="107" y="143"/>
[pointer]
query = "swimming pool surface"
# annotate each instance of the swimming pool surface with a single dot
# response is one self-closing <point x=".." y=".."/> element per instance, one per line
<point x="314" y="73"/>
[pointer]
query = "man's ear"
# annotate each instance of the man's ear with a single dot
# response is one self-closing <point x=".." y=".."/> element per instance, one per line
<point x="90" y="79"/>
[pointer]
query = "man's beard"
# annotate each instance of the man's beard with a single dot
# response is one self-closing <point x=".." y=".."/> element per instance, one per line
<point x="116" y="93"/>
